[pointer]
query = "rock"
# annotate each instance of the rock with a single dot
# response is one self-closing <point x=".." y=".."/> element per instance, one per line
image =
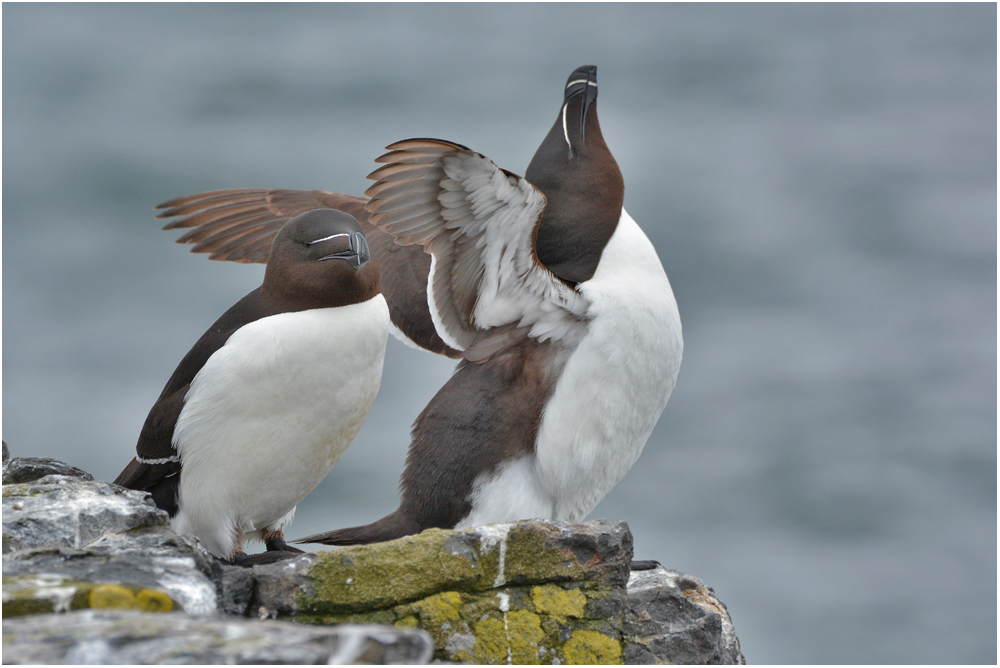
<point x="104" y="558"/>
<point x="29" y="469"/>
<point x="233" y="584"/>
<point x="526" y="592"/>
<point x="62" y="579"/>
<point x="61" y="511"/>
<point x="361" y="578"/>
<point x="6" y="454"/>
<point x="67" y="540"/>
<point x="671" y="617"/>
<point x="118" y="637"/>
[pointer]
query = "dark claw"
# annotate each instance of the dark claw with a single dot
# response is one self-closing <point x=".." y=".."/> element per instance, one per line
<point x="645" y="565"/>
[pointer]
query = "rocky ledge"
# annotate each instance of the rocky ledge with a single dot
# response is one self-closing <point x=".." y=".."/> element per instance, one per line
<point x="90" y="568"/>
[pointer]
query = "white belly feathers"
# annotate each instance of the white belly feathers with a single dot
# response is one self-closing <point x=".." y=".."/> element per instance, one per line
<point x="269" y="415"/>
<point x="617" y="382"/>
<point x="607" y="400"/>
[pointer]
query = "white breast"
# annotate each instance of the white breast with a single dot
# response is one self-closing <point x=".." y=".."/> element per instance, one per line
<point x="611" y="392"/>
<point x="617" y="382"/>
<point x="269" y="415"/>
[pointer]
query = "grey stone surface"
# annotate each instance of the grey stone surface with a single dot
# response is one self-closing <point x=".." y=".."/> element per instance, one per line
<point x="29" y="469"/>
<point x="674" y="618"/>
<point x="63" y="536"/>
<point x="277" y="585"/>
<point x="234" y="584"/>
<point x="31" y="575"/>
<point x="63" y="511"/>
<point x="125" y="637"/>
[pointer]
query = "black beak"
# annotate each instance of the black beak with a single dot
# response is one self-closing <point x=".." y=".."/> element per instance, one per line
<point x="358" y="253"/>
<point x="583" y="82"/>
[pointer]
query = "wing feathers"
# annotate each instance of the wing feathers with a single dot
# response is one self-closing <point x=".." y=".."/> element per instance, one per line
<point x="222" y="226"/>
<point x="239" y="224"/>
<point x="478" y="223"/>
<point x="396" y="187"/>
<point x="397" y="172"/>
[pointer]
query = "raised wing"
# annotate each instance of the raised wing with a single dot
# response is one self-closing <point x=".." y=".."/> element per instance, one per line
<point x="478" y="222"/>
<point x="239" y="225"/>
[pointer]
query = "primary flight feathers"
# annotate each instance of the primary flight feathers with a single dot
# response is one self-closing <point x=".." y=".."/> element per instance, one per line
<point x="478" y="222"/>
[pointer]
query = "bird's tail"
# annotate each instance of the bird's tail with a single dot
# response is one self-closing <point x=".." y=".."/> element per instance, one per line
<point x="131" y="474"/>
<point x="392" y="526"/>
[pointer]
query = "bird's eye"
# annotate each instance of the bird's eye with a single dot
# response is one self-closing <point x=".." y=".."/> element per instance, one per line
<point x="307" y="244"/>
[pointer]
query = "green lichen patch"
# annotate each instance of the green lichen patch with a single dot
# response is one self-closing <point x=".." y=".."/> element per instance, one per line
<point x="528" y="559"/>
<point x="23" y="489"/>
<point x="38" y="594"/>
<point x="381" y="575"/>
<point x="590" y="647"/>
<point x="387" y="617"/>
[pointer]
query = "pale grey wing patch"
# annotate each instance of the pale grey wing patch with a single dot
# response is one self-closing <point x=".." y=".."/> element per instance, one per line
<point x="477" y="221"/>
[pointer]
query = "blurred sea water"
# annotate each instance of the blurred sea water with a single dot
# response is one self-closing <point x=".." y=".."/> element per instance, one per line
<point x="819" y="181"/>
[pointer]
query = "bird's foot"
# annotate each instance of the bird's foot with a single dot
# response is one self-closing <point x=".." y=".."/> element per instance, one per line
<point x="278" y="544"/>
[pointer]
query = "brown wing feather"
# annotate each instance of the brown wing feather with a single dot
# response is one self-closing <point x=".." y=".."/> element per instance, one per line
<point x="239" y="225"/>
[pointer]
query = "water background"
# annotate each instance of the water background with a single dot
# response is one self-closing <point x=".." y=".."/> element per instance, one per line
<point x="819" y="181"/>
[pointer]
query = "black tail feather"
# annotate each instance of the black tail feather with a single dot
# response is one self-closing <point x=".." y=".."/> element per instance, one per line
<point x="390" y="527"/>
<point x="160" y="480"/>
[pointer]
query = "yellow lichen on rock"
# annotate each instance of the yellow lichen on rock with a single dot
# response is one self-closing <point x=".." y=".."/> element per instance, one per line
<point x="111" y="596"/>
<point x="439" y="609"/>
<point x="408" y="622"/>
<point x="125" y="598"/>
<point x="150" y="600"/>
<point x="491" y="642"/>
<point x="558" y="602"/>
<point x="590" y="647"/>
<point x="524" y="634"/>
<point x="440" y="616"/>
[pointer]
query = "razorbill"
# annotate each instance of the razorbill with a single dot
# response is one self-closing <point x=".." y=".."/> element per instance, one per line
<point x="269" y="398"/>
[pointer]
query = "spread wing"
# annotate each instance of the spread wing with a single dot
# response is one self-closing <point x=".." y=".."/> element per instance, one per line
<point x="478" y="222"/>
<point x="239" y="225"/>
